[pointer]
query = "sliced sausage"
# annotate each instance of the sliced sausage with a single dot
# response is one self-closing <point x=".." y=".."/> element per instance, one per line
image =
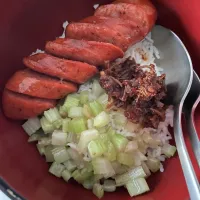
<point x="97" y="32"/>
<point x="148" y="7"/>
<point x="134" y="12"/>
<point x="38" y="85"/>
<point x="92" y="52"/>
<point x="19" y="106"/>
<point x="75" y="71"/>
<point x="128" y="28"/>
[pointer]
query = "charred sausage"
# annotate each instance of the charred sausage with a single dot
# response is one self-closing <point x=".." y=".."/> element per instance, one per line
<point x="18" y="106"/>
<point x="97" y="32"/>
<point x="92" y="52"/>
<point x="136" y="12"/>
<point x="38" y="85"/>
<point x="75" y="71"/>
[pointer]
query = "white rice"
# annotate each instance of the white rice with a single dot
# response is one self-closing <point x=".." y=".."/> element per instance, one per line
<point x="95" y="6"/>
<point x="37" y="51"/>
<point x="64" y="27"/>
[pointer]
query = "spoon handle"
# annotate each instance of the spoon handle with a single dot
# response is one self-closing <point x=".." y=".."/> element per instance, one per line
<point x="188" y="170"/>
<point x="189" y="117"/>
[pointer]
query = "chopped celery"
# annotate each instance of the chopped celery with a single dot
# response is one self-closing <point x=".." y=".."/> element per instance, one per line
<point x="65" y="124"/>
<point x="131" y="146"/>
<point x="48" y="153"/>
<point x="137" y="186"/>
<point x="98" y="190"/>
<point x="87" y="111"/>
<point x="101" y="120"/>
<point x="59" y="138"/>
<point x="77" y="176"/>
<point x="34" y="137"/>
<point x="134" y="173"/>
<point x="70" y="165"/>
<point x="88" y="184"/>
<point x="109" y="185"/>
<point x="168" y="150"/>
<point x="60" y="154"/>
<point x="71" y="100"/>
<point x="102" y="130"/>
<point x="111" y="132"/>
<point x="71" y="137"/>
<point x="119" y="142"/>
<point x="96" y="107"/>
<point x="44" y="141"/>
<point x="58" y="123"/>
<point x="111" y="152"/>
<point x="75" y="112"/>
<point x="75" y="156"/>
<point x="97" y="148"/>
<point x="119" y="119"/>
<point x="153" y="164"/>
<point x="125" y="159"/>
<point x="97" y="90"/>
<point x="77" y="125"/>
<point x="98" y="177"/>
<point x="52" y="115"/>
<point x="63" y="111"/>
<point x="146" y="169"/>
<point x="41" y="149"/>
<point x="103" y="99"/>
<point x="90" y="123"/>
<point x="31" y="125"/>
<point x="56" y="169"/>
<point x="46" y="125"/>
<point x="86" y="137"/>
<point x="66" y="175"/>
<point x="86" y="174"/>
<point x="84" y="97"/>
<point x="103" y="166"/>
<point x="119" y="168"/>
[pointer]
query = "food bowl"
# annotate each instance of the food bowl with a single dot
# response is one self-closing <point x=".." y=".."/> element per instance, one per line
<point x="26" y="26"/>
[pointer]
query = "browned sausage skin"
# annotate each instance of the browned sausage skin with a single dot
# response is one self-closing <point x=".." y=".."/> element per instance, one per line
<point x="92" y="52"/>
<point x="140" y="14"/>
<point x="74" y="71"/>
<point x="18" y="106"/>
<point x="38" y="85"/>
<point x="97" y="32"/>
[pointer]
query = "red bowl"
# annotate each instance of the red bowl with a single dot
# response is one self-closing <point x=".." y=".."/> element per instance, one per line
<point x="25" y="26"/>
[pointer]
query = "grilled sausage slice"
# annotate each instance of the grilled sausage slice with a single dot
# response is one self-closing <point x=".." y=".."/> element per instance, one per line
<point x="75" y="71"/>
<point x="38" y="85"/>
<point x="97" y="32"/>
<point x="140" y="14"/>
<point x="92" y="52"/>
<point x="19" y="106"/>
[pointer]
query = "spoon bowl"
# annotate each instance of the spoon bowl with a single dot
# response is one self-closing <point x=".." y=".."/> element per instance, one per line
<point x="177" y="65"/>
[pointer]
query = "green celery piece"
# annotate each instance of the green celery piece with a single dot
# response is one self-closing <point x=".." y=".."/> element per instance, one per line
<point x="119" y="142"/>
<point x="84" y="97"/>
<point x="66" y="175"/>
<point x="65" y="125"/>
<point x="96" y="107"/>
<point x="137" y="186"/>
<point x="125" y="159"/>
<point x="98" y="190"/>
<point x="47" y="127"/>
<point x="56" y="169"/>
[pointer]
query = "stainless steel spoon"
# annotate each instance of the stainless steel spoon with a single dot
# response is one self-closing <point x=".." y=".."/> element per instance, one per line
<point x="176" y="62"/>
<point x="189" y="107"/>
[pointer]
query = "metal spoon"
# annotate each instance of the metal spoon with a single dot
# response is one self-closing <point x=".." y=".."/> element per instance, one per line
<point x="189" y="107"/>
<point x="176" y="62"/>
